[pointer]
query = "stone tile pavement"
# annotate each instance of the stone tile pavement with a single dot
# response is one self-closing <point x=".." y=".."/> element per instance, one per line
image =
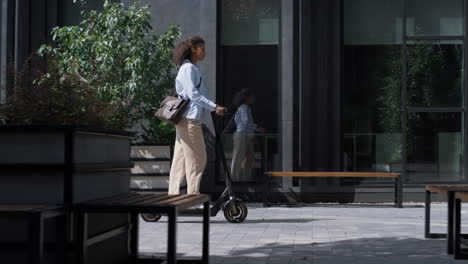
<point x="351" y="234"/>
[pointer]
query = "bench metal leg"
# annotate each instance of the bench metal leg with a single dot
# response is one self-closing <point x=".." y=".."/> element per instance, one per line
<point x="450" y="209"/>
<point x="399" y="192"/>
<point x="82" y="237"/>
<point x="266" y="191"/>
<point x="427" y="219"/>
<point x="172" y="237"/>
<point x="206" y="233"/>
<point x="134" y="236"/>
<point x="36" y="238"/>
<point x="61" y="239"/>
<point x="458" y="252"/>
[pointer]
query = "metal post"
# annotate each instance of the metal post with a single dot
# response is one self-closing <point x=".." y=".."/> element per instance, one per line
<point x="61" y="239"/>
<point x="450" y="206"/>
<point x="457" y="229"/>
<point x="134" y="236"/>
<point x="427" y="215"/>
<point x="36" y="238"/>
<point x="82" y="237"/>
<point x="206" y="232"/>
<point x="404" y="109"/>
<point x="400" y="192"/>
<point x="266" y="192"/>
<point x="172" y="236"/>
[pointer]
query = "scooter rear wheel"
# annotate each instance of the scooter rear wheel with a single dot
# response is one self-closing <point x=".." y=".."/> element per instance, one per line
<point x="235" y="212"/>
<point x="151" y="217"/>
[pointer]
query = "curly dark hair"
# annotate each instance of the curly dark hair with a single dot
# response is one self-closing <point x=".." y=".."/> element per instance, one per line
<point x="241" y="97"/>
<point x="183" y="50"/>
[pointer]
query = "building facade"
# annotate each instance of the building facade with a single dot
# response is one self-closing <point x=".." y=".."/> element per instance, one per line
<point x="339" y="85"/>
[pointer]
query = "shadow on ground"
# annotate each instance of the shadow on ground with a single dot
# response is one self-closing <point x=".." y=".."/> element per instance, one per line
<point x="360" y="251"/>
<point x="386" y="250"/>
<point x="253" y="221"/>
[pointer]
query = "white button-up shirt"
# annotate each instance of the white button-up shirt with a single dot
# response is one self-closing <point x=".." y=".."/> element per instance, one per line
<point x="244" y="121"/>
<point x="187" y="80"/>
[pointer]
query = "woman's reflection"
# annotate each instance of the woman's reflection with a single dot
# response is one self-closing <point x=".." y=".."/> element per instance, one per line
<point x="243" y="156"/>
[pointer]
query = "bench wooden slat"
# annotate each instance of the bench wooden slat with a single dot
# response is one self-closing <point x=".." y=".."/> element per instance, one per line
<point x="22" y="207"/>
<point x="155" y="199"/>
<point x="161" y="200"/>
<point x="444" y="189"/>
<point x="333" y="174"/>
<point x="462" y="196"/>
<point x="190" y="201"/>
<point x="171" y="199"/>
<point x="134" y="200"/>
<point x="144" y="202"/>
<point x="113" y="198"/>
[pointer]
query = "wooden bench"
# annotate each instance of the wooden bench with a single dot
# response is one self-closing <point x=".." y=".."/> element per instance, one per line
<point x="395" y="176"/>
<point x="36" y="214"/>
<point x="458" y="252"/>
<point x="449" y="191"/>
<point x="137" y="203"/>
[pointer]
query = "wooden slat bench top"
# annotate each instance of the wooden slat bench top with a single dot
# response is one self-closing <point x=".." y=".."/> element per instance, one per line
<point x="444" y="189"/>
<point x="333" y="174"/>
<point x="144" y="202"/>
<point x="26" y="208"/>
<point x="20" y="207"/>
<point x="462" y="196"/>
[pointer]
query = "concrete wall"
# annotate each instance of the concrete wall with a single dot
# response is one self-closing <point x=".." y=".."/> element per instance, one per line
<point x="196" y="17"/>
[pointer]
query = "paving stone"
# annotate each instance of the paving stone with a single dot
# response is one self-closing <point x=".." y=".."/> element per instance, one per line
<point x="313" y="234"/>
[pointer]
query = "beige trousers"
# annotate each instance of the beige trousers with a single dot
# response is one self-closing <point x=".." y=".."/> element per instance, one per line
<point x="189" y="157"/>
<point x="243" y="158"/>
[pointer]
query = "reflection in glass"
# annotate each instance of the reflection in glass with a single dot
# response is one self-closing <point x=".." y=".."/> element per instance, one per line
<point x="252" y="67"/>
<point x="265" y="156"/>
<point x="434" y="17"/>
<point x="249" y="22"/>
<point x="435" y="147"/>
<point x="371" y="91"/>
<point x="243" y="156"/>
<point x="372" y="109"/>
<point x="372" y="22"/>
<point x="435" y="73"/>
<point x="1" y="40"/>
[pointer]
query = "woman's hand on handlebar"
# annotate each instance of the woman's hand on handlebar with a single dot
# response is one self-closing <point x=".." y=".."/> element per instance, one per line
<point x="220" y="110"/>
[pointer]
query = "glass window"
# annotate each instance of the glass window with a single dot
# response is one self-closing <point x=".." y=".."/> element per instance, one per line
<point x="372" y="22"/>
<point x="371" y="88"/>
<point x="249" y="87"/>
<point x="435" y="147"/>
<point x="1" y="30"/>
<point x="435" y="73"/>
<point x="434" y="17"/>
<point x="249" y="22"/>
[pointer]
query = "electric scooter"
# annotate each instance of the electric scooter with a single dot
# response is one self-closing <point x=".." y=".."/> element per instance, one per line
<point x="235" y="211"/>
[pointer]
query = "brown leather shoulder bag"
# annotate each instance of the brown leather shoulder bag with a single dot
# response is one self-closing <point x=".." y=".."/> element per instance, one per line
<point x="172" y="107"/>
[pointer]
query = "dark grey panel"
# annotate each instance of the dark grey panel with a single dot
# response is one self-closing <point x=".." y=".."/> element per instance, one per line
<point x="35" y="148"/>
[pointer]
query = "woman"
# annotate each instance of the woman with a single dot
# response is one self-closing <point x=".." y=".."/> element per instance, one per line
<point x="243" y="156"/>
<point x="189" y="151"/>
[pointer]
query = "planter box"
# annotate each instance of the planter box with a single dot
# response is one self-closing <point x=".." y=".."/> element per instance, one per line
<point x="63" y="165"/>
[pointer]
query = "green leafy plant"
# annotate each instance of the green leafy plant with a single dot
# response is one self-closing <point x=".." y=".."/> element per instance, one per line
<point x="115" y="52"/>
<point x="51" y="99"/>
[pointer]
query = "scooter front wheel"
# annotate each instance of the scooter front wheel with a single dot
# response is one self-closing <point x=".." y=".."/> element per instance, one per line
<point x="151" y="217"/>
<point x="235" y="211"/>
